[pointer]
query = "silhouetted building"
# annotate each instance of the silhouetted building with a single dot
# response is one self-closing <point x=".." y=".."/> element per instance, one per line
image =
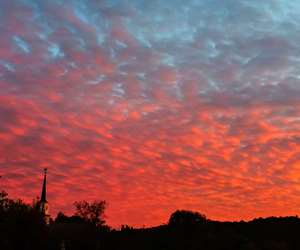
<point x="43" y="203"/>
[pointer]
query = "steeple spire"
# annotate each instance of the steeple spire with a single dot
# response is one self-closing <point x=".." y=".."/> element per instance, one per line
<point x="43" y="195"/>
<point x="43" y="203"/>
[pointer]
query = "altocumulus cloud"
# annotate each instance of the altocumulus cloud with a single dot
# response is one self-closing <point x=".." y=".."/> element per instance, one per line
<point x="152" y="105"/>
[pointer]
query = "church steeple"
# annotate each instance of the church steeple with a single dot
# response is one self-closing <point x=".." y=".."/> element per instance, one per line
<point x="43" y="195"/>
<point x="43" y="203"/>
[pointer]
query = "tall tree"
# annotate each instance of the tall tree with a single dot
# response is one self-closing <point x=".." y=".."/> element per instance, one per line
<point x="91" y="212"/>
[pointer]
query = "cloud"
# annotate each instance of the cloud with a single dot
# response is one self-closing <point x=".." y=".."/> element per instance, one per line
<point x="152" y="106"/>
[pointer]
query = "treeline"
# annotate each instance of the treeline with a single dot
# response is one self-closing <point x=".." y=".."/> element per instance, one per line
<point x="190" y="230"/>
<point x="22" y="227"/>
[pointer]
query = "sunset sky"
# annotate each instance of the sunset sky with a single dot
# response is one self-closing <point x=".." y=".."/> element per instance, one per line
<point x="152" y="106"/>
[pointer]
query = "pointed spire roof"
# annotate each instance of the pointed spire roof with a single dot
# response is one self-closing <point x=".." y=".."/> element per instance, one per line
<point x="43" y="195"/>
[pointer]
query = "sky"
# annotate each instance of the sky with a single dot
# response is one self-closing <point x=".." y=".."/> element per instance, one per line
<point x="152" y="106"/>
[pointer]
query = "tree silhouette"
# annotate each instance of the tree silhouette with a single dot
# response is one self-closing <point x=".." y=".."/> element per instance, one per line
<point x="20" y="224"/>
<point x="185" y="218"/>
<point x="91" y="212"/>
<point x="22" y="227"/>
<point x="62" y="218"/>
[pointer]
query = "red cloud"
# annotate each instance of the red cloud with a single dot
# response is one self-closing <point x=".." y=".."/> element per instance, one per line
<point x="110" y="120"/>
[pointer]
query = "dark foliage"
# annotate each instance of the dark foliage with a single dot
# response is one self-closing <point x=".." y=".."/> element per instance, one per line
<point x="91" y="212"/>
<point x="186" y="219"/>
<point x="74" y="219"/>
<point x="22" y="227"/>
